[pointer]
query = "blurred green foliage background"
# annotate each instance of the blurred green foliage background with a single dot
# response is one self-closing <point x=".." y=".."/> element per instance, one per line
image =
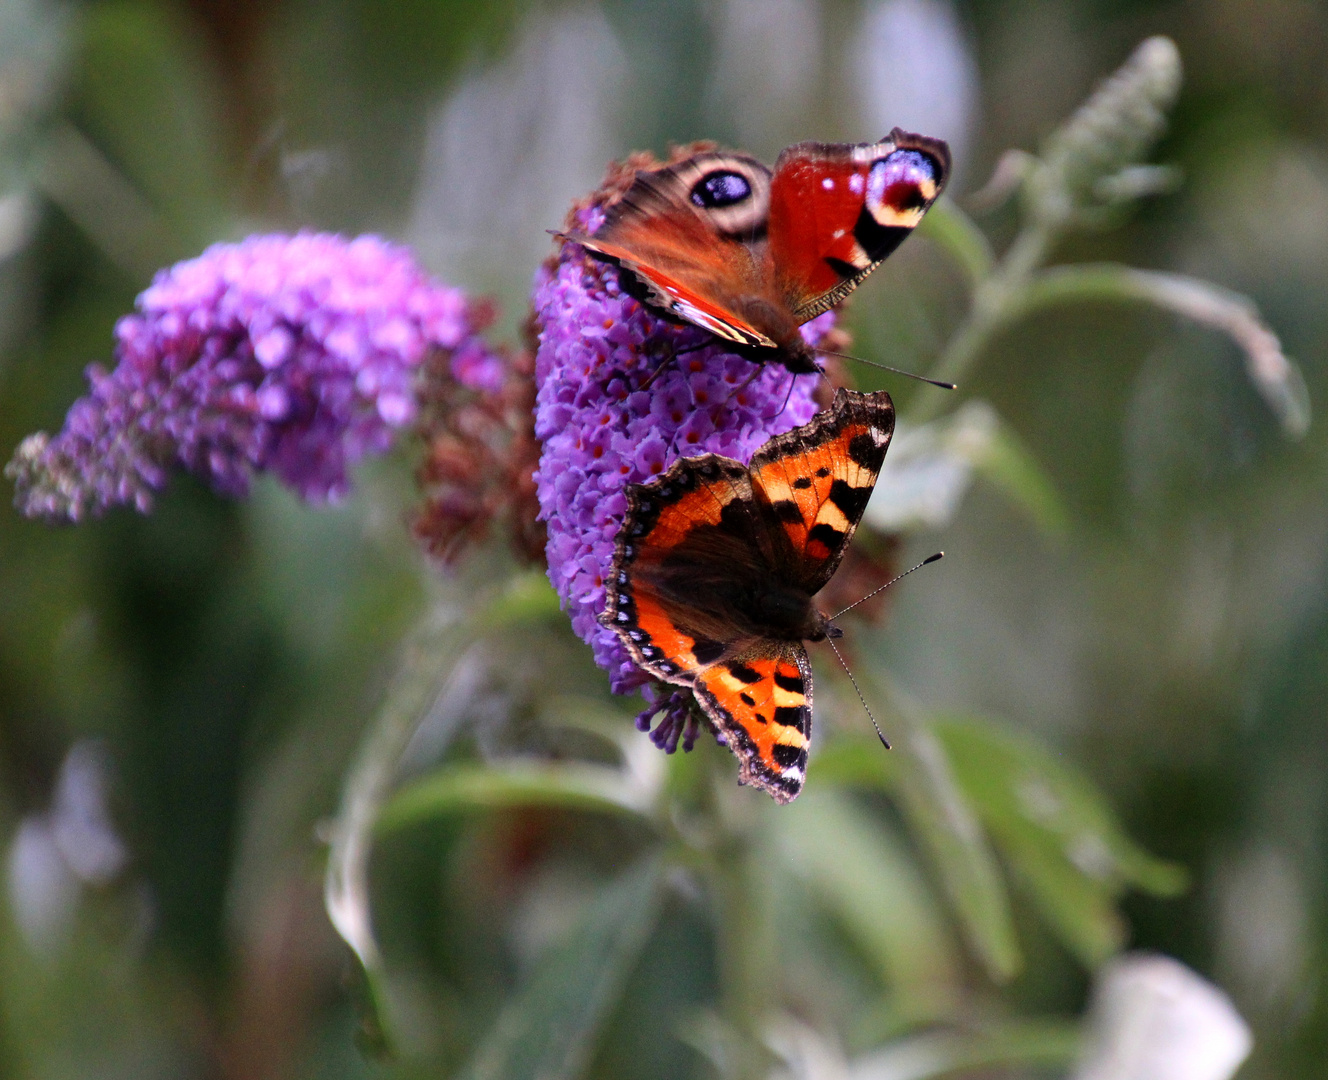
<point x="1159" y="626"/>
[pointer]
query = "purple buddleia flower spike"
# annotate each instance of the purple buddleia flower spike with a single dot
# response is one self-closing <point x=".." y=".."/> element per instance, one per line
<point x="679" y="719"/>
<point x="601" y="430"/>
<point x="294" y="355"/>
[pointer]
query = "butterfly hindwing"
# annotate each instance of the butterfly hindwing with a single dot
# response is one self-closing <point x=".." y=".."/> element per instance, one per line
<point x="760" y="699"/>
<point x="837" y="211"/>
<point x="816" y="480"/>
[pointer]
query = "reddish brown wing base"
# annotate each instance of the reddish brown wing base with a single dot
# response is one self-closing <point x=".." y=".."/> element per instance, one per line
<point x="715" y="568"/>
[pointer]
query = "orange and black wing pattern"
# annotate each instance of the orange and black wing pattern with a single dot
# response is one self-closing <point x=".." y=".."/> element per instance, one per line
<point x="715" y="568"/>
<point x="694" y="546"/>
<point x="688" y="541"/>
<point x="760" y="699"/>
<point x="815" y="481"/>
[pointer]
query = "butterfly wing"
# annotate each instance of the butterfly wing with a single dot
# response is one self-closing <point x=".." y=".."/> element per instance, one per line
<point x="760" y="699"/>
<point x="837" y="210"/>
<point x="691" y="542"/>
<point x="694" y="545"/>
<point x="813" y="483"/>
<point x="693" y="235"/>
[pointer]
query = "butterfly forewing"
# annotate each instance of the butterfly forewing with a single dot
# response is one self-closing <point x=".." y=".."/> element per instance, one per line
<point x="693" y="235"/>
<point x="816" y="480"/>
<point x="837" y="211"/>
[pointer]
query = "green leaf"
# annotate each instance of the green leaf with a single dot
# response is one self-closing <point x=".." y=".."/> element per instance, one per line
<point x="954" y="1054"/>
<point x="1275" y="375"/>
<point x="856" y="761"/>
<point x="528" y="598"/>
<point x="547" y="1030"/>
<point x="865" y="877"/>
<point x="1009" y="464"/>
<point x="1057" y="832"/>
<point x="429" y="658"/>
<point x="469" y="788"/>
<point x="951" y="835"/>
<point x="932" y="464"/>
<point x="956" y="233"/>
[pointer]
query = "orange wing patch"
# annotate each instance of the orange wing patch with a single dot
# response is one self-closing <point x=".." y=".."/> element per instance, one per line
<point x="762" y="703"/>
<point x="662" y="515"/>
<point x="685" y="499"/>
<point x="818" y="483"/>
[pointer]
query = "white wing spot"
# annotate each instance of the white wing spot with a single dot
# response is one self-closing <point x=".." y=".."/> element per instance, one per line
<point x="855" y="183"/>
<point x="828" y="183"/>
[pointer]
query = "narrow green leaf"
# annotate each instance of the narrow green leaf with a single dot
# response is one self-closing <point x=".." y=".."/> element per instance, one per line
<point x="428" y="660"/>
<point x="1057" y="831"/>
<point x="952" y="1054"/>
<point x="547" y="1030"/>
<point x="951" y="835"/>
<point x="863" y="875"/>
<point x="1275" y="375"/>
<point x="1009" y="464"/>
<point x="463" y="788"/>
<point x="955" y="231"/>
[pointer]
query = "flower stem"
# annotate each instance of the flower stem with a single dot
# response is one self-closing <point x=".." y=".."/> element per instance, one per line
<point x="995" y="300"/>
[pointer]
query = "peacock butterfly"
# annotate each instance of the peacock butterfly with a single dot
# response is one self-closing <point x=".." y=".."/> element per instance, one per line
<point x="721" y="241"/>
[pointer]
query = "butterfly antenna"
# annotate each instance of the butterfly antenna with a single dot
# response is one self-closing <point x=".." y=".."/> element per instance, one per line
<point x="886" y="367"/>
<point x="879" y="733"/>
<point x="929" y="559"/>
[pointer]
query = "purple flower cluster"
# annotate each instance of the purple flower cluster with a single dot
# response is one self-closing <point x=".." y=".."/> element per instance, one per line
<point x="601" y="430"/>
<point x="289" y="354"/>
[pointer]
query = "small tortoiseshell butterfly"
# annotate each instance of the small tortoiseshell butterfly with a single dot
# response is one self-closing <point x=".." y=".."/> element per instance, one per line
<point x="716" y="567"/>
<point x="720" y="241"/>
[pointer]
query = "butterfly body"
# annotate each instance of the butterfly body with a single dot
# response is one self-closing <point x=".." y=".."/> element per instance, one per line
<point x="750" y="254"/>
<point x="717" y="566"/>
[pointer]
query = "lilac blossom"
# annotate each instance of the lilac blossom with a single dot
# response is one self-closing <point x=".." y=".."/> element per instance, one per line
<point x="601" y="429"/>
<point x="294" y="355"/>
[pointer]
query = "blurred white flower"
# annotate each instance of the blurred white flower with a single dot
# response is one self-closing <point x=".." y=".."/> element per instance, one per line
<point x="79" y="819"/>
<point x="512" y="147"/>
<point x="914" y="68"/>
<point x="43" y="891"/>
<point x="765" y="69"/>
<point x="1152" y="1018"/>
<point x="929" y="468"/>
<point x="53" y="855"/>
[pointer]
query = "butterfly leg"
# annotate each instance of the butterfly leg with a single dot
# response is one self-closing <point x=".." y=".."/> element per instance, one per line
<point x="793" y="378"/>
<point x="670" y="359"/>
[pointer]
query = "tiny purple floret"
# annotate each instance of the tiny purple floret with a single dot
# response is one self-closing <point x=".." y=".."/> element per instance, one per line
<point x="294" y="355"/>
